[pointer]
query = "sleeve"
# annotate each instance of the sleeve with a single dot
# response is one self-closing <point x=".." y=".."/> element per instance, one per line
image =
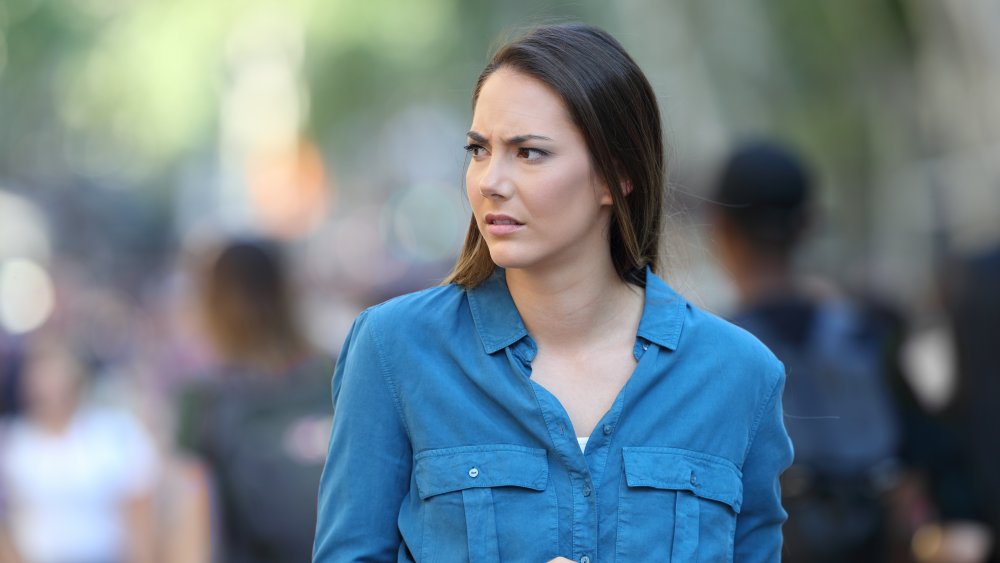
<point x="758" y="526"/>
<point x="369" y="462"/>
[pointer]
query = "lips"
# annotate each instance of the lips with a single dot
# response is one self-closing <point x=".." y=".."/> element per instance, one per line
<point x="499" y="219"/>
<point x="499" y="224"/>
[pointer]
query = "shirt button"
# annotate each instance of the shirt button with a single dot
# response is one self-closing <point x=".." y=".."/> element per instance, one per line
<point x="694" y="479"/>
<point x="474" y="472"/>
<point x="607" y="429"/>
<point x="586" y="490"/>
<point x="585" y="559"/>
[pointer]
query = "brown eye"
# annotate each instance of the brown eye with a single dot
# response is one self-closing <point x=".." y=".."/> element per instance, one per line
<point x="531" y="154"/>
<point x="475" y="150"/>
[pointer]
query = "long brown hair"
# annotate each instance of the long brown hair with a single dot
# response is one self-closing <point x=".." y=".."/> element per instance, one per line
<point x="248" y="308"/>
<point x="613" y="105"/>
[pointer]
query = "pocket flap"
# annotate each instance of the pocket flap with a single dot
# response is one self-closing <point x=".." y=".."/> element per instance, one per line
<point x="453" y="469"/>
<point x="705" y="475"/>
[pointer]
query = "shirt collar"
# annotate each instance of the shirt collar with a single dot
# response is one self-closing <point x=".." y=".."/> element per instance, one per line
<point x="663" y="313"/>
<point x="493" y="310"/>
<point x="499" y="324"/>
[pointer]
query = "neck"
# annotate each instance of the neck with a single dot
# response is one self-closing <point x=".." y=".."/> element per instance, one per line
<point x="52" y="420"/>
<point x="575" y="307"/>
<point x="762" y="279"/>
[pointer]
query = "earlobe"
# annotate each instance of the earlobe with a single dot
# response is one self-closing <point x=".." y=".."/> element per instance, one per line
<point x="607" y="199"/>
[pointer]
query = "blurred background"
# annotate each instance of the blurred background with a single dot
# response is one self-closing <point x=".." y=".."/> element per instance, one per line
<point x="136" y="136"/>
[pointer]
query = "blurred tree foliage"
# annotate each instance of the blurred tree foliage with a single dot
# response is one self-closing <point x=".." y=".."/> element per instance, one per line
<point x="126" y="90"/>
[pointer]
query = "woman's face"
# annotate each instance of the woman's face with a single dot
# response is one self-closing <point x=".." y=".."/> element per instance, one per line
<point x="536" y="198"/>
<point x="52" y="380"/>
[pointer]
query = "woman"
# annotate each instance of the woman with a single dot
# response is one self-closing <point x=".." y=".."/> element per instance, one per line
<point x="556" y="398"/>
<point x="262" y="425"/>
<point x="77" y="480"/>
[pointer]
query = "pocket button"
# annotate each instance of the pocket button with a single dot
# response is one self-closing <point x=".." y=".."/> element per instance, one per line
<point x="474" y="472"/>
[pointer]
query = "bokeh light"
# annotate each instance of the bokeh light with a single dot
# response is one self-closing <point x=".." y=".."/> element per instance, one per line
<point x="426" y="222"/>
<point x="26" y="295"/>
<point x="22" y="229"/>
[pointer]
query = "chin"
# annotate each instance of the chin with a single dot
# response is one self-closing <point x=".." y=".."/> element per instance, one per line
<point x="508" y="260"/>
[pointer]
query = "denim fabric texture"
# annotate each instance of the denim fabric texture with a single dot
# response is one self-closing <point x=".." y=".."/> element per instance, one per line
<point x="444" y="449"/>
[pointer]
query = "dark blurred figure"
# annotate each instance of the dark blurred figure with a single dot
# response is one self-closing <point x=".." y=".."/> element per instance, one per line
<point x="972" y="478"/>
<point x="842" y="398"/>
<point x="263" y="424"/>
<point x="10" y="369"/>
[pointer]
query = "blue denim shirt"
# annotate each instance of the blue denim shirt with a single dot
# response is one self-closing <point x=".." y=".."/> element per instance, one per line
<point x="444" y="449"/>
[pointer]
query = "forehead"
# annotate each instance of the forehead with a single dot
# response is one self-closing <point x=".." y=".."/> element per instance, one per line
<point x="515" y="103"/>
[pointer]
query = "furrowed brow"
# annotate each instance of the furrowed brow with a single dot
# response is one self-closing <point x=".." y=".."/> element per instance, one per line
<point x="477" y="138"/>
<point x="518" y="139"/>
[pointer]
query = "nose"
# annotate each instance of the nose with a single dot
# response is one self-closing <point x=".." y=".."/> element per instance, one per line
<point x="494" y="179"/>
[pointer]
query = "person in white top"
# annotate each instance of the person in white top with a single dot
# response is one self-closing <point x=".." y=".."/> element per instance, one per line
<point x="76" y="482"/>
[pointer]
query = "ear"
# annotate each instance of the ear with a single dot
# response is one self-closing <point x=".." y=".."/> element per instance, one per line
<point x="626" y="188"/>
<point x="606" y="199"/>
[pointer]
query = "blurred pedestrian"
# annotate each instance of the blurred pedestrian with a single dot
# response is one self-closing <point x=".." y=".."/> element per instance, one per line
<point x="262" y="423"/>
<point x="556" y="398"/>
<point x="841" y="407"/>
<point x="76" y="480"/>
<point x="969" y="481"/>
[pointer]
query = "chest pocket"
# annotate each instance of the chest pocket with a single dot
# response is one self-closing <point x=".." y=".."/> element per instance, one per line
<point x="678" y="500"/>
<point x="467" y="487"/>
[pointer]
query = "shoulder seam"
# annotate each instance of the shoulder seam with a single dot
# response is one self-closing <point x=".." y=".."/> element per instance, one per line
<point x="384" y="369"/>
<point x="760" y="415"/>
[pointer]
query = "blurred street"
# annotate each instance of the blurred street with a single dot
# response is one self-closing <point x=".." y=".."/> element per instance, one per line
<point x="138" y="139"/>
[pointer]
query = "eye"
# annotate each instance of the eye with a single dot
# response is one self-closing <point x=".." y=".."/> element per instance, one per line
<point x="531" y="154"/>
<point x="475" y="150"/>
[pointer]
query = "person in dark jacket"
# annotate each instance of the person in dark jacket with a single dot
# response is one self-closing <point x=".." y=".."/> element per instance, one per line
<point x="846" y="403"/>
<point x="261" y="425"/>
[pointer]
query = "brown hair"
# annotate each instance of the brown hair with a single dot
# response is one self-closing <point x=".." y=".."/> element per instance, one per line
<point x="248" y="308"/>
<point x="613" y="105"/>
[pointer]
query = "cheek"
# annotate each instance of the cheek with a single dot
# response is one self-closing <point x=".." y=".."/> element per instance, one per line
<point x="556" y="201"/>
<point x="567" y="195"/>
<point x="471" y="185"/>
<point x="475" y="201"/>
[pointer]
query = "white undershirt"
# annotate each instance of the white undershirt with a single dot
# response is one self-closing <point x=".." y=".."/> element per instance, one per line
<point x="582" y="442"/>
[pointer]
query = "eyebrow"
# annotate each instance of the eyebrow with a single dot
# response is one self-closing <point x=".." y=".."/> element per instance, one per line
<point x="515" y="140"/>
